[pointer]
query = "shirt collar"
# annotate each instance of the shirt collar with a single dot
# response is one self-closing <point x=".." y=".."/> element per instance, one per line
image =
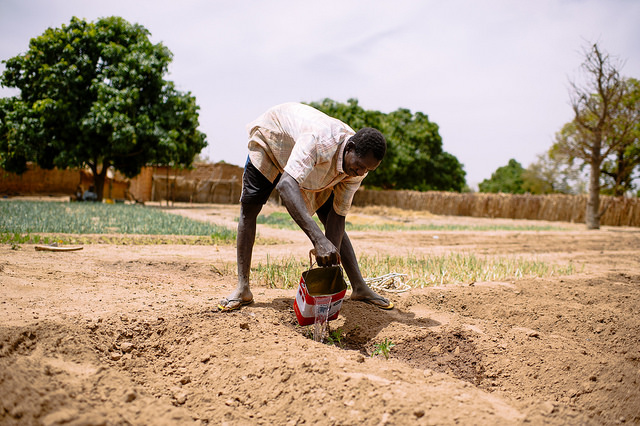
<point x="341" y="148"/>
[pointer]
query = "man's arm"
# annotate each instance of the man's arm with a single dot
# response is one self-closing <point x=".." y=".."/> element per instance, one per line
<point x="327" y="247"/>
<point x="334" y="228"/>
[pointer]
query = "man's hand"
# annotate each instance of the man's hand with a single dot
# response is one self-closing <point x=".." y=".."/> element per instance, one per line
<point x="326" y="254"/>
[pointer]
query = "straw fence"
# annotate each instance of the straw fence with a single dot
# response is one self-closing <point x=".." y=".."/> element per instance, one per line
<point x="206" y="183"/>
<point x="179" y="188"/>
<point x="619" y="211"/>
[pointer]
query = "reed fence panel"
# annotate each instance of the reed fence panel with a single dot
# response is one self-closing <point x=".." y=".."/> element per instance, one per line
<point x="618" y="211"/>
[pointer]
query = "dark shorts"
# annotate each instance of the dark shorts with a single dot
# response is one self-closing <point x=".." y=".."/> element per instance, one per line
<point x="256" y="188"/>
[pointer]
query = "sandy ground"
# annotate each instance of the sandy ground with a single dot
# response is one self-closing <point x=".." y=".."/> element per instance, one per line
<point x="126" y="334"/>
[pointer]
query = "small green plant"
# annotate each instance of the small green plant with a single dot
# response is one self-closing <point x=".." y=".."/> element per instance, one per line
<point x="307" y="331"/>
<point x="383" y="348"/>
<point x="335" y="337"/>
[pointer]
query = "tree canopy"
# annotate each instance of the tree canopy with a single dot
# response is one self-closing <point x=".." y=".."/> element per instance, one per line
<point x="506" y="179"/>
<point x="552" y="173"/>
<point x="415" y="158"/>
<point x="94" y="94"/>
<point x="620" y="169"/>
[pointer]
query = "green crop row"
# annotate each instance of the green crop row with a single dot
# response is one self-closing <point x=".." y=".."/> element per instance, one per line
<point x="30" y="217"/>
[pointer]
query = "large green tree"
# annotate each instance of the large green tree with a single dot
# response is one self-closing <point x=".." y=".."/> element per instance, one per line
<point x="415" y="158"/>
<point x="506" y="179"/>
<point x="94" y="94"/>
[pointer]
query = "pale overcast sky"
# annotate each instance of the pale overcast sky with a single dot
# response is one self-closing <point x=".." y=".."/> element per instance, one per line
<point x="493" y="74"/>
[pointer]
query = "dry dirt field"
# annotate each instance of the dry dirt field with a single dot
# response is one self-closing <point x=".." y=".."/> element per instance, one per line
<point x="129" y="335"/>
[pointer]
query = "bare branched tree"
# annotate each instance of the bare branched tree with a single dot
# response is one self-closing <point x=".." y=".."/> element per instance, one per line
<point x="596" y="102"/>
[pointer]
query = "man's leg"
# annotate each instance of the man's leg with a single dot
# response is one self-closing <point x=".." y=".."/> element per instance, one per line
<point x="255" y="192"/>
<point x="359" y="288"/>
<point x="245" y="240"/>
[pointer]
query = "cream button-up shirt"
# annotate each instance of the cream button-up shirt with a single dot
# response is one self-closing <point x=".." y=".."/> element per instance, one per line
<point x="309" y="145"/>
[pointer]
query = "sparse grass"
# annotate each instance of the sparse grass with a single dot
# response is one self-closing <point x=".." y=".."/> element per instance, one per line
<point x="20" y="219"/>
<point x="282" y="220"/>
<point x="282" y="273"/>
<point x="425" y="271"/>
<point x="422" y="271"/>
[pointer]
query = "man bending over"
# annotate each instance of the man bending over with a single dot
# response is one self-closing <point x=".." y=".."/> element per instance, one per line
<point x="317" y="164"/>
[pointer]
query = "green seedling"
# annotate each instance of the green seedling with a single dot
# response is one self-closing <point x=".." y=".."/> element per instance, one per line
<point x="383" y="348"/>
<point x="307" y="331"/>
<point x="335" y="337"/>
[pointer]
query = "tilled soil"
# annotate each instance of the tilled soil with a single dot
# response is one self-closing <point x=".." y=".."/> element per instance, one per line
<point x="129" y="334"/>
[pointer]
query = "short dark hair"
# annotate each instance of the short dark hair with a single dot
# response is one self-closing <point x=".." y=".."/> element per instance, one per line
<point x="368" y="140"/>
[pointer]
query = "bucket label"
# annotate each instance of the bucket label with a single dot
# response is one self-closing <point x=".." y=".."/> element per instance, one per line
<point x="305" y="303"/>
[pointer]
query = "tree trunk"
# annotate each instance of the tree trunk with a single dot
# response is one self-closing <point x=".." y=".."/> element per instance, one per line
<point x="99" y="178"/>
<point x="592" y="217"/>
<point x="98" y="182"/>
<point x="622" y="178"/>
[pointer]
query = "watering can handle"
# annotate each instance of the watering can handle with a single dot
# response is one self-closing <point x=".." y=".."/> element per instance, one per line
<point x="312" y="255"/>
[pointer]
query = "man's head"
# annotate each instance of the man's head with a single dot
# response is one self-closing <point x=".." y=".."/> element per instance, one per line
<point x="364" y="152"/>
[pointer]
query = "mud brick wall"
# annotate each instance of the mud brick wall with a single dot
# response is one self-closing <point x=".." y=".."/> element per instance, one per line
<point x="204" y="183"/>
<point x="39" y="181"/>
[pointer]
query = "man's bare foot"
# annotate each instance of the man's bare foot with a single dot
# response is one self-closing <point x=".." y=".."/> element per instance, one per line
<point x="369" y="296"/>
<point x="236" y="300"/>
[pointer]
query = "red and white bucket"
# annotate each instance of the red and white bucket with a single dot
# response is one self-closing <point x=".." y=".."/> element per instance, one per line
<point x="315" y="284"/>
